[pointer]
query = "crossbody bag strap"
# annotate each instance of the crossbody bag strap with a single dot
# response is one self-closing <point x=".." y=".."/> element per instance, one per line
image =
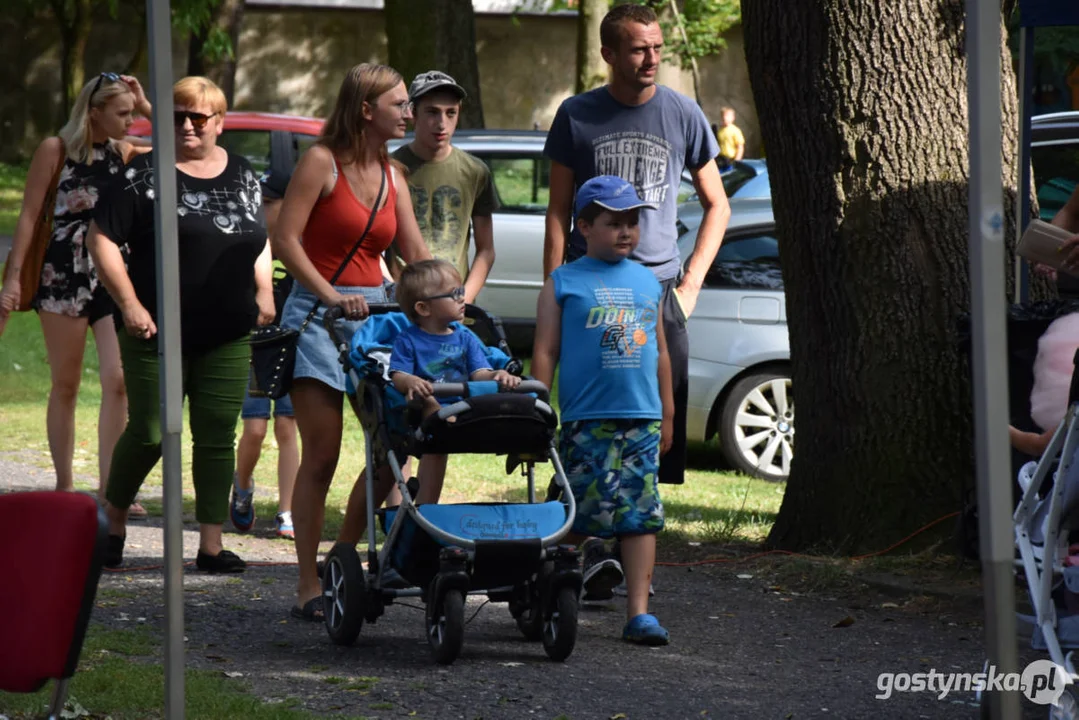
<point x="348" y="258"/>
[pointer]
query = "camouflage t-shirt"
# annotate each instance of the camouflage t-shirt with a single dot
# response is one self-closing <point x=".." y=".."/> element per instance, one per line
<point x="446" y="195"/>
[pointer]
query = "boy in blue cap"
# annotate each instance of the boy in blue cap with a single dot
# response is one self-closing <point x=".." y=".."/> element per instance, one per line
<point x="600" y="319"/>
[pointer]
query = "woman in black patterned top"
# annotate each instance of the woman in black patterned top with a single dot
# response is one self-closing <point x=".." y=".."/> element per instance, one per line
<point x="225" y="289"/>
<point x="69" y="298"/>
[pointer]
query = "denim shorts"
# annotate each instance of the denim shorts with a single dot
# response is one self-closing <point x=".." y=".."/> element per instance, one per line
<point x="316" y="355"/>
<point x="260" y="407"/>
<point x="612" y="467"/>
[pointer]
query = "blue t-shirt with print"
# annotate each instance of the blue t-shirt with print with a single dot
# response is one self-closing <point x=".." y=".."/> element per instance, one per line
<point x="609" y="358"/>
<point x="448" y="358"/>
<point x="648" y="145"/>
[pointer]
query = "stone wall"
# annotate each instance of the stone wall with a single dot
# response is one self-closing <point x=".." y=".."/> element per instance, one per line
<point x="292" y="60"/>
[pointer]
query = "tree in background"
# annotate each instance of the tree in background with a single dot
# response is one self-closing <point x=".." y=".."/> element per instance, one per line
<point x="694" y="29"/>
<point x="591" y="69"/>
<point x="214" y="27"/>
<point x="865" y="119"/>
<point x="437" y="35"/>
<point x="211" y="20"/>
<point x="74" y="20"/>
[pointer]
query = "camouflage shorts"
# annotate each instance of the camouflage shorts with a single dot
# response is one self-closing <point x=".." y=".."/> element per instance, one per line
<point x="612" y="468"/>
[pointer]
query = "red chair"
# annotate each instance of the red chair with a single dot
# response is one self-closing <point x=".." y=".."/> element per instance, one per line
<point x="52" y="545"/>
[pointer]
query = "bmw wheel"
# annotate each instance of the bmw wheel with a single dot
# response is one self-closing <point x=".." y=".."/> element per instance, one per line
<point x="756" y="425"/>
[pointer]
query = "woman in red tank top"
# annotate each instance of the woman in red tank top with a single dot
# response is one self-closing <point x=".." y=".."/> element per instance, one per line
<point x="329" y="201"/>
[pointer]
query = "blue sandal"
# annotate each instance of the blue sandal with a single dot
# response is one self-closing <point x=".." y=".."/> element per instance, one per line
<point x="645" y="629"/>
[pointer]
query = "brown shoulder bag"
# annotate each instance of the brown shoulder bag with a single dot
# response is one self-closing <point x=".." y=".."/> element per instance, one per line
<point x="30" y="274"/>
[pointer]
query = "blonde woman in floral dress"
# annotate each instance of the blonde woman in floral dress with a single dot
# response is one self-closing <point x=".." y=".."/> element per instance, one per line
<point x="69" y="299"/>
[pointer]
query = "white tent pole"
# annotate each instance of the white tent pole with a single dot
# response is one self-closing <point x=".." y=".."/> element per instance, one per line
<point x="989" y="349"/>
<point x="159" y="17"/>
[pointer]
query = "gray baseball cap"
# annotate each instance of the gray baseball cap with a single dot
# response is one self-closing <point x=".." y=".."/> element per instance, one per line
<point x="434" y="80"/>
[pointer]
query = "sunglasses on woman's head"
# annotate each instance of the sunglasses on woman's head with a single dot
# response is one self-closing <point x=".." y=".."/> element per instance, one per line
<point x="198" y="120"/>
<point x="111" y="77"/>
<point x="455" y="294"/>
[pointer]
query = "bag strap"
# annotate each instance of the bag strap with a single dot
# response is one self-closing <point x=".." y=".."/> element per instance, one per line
<point x="63" y="161"/>
<point x="348" y="258"/>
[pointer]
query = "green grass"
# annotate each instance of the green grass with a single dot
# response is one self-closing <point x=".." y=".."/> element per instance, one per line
<point x="12" y="181"/>
<point x="712" y="506"/>
<point x="131" y="654"/>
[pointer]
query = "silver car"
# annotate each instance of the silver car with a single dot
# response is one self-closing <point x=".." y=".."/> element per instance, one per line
<point x="739" y="365"/>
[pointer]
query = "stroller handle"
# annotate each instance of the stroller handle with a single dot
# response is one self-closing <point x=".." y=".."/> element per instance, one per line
<point x="329" y="320"/>
<point x="461" y="389"/>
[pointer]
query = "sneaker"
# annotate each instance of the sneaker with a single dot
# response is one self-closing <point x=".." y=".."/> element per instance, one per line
<point x="225" y="561"/>
<point x="392" y="580"/>
<point x="241" y="508"/>
<point x="620" y="590"/>
<point x="600" y="572"/>
<point x="283" y="522"/>
<point x="645" y="630"/>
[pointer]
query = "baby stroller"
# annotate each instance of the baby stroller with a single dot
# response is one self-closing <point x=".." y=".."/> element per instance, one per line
<point x="1046" y="523"/>
<point x="508" y="551"/>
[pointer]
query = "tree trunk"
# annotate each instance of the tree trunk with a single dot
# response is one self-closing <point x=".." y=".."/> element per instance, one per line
<point x="437" y="35"/>
<point x="227" y="17"/>
<point x="865" y="120"/>
<point x="591" y="69"/>
<point x="75" y="22"/>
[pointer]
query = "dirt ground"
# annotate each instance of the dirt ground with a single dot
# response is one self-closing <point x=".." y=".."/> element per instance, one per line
<point x="749" y="640"/>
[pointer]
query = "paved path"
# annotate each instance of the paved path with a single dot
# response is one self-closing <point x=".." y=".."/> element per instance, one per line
<point x="743" y="645"/>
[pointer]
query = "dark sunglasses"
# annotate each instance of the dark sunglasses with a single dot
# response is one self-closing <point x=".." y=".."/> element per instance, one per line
<point x="111" y="77"/>
<point x="455" y="294"/>
<point x="198" y="120"/>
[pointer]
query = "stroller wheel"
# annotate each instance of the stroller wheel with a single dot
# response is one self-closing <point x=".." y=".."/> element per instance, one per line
<point x="560" y="625"/>
<point x="343" y="593"/>
<point x="446" y="627"/>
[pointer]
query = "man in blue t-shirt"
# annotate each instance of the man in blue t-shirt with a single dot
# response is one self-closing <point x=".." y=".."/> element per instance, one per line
<point x="647" y="134"/>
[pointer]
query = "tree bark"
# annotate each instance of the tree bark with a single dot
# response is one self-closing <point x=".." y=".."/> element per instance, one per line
<point x="73" y="17"/>
<point x="864" y="114"/>
<point x="228" y="16"/>
<point x="437" y="35"/>
<point x="591" y="69"/>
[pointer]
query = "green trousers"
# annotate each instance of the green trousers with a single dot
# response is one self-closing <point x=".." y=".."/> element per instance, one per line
<point x="213" y="384"/>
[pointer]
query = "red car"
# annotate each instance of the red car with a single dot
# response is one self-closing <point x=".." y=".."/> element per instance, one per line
<point x="265" y="139"/>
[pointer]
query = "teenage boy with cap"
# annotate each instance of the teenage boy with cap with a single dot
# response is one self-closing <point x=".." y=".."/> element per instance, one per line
<point x="600" y="318"/>
<point x="257" y="410"/>
<point x="449" y="187"/>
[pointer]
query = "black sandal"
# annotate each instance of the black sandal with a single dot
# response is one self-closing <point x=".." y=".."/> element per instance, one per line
<point x="225" y="561"/>
<point x="311" y="610"/>
<point x="114" y="551"/>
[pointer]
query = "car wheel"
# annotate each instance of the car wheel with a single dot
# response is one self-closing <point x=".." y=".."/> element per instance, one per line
<point x="756" y="425"/>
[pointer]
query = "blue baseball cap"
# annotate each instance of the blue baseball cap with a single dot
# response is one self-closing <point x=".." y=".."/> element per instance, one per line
<point x="610" y="192"/>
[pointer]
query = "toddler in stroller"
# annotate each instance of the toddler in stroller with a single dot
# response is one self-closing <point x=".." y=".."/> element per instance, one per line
<point x="435" y="349"/>
<point x="509" y="551"/>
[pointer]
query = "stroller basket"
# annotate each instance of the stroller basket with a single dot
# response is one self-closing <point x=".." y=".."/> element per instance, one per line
<point x="507" y="538"/>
